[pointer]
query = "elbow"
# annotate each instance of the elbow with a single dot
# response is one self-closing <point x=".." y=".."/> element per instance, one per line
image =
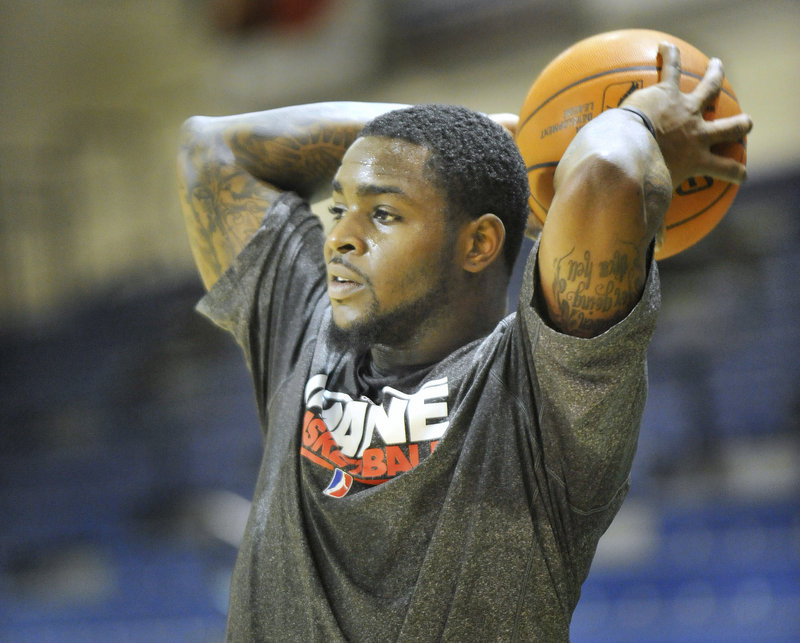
<point x="601" y="177"/>
<point x="609" y="195"/>
<point x="636" y="188"/>
<point x="194" y="136"/>
<point x="619" y="178"/>
<point x="614" y="169"/>
<point x="200" y="148"/>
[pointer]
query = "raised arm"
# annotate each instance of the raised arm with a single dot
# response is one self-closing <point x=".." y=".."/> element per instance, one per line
<point x="231" y="168"/>
<point x="612" y="189"/>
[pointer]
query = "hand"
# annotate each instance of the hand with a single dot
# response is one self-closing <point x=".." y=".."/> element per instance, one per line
<point x="684" y="137"/>
<point x="509" y="121"/>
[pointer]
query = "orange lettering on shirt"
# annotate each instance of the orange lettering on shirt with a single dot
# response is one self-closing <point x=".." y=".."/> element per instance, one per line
<point x="374" y="465"/>
<point x="413" y="454"/>
<point x="312" y="427"/>
<point x="326" y="446"/>
<point x="396" y="461"/>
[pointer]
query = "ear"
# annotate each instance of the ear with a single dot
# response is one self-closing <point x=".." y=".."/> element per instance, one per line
<point x="483" y="240"/>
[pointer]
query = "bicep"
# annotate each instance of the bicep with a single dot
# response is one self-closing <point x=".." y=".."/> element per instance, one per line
<point x="591" y="260"/>
<point x="595" y="241"/>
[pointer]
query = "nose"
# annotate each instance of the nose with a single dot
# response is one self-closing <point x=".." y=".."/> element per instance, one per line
<point x="345" y="237"/>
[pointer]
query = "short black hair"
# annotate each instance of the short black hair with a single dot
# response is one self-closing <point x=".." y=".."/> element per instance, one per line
<point x="474" y="161"/>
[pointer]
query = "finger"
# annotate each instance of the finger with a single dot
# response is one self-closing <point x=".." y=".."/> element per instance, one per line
<point x="710" y="85"/>
<point x="670" y="63"/>
<point x="725" y="168"/>
<point x="507" y="120"/>
<point x="728" y="130"/>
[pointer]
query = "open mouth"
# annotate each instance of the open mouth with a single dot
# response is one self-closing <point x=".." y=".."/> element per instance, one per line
<point x="340" y="287"/>
<point x="343" y="280"/>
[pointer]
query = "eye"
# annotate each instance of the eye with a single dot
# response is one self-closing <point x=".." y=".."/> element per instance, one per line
<point x="384" y="216"/>
<point x="337" y="211"/>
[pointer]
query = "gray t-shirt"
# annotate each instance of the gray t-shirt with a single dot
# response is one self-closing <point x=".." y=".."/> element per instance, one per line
<point x="460" y="501"/>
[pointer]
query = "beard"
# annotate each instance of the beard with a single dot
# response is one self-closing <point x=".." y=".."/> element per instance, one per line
<point x="394" y="328"/>
<point x="401" y="325"/>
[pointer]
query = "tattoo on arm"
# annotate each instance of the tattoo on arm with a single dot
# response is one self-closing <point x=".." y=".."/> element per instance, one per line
<point x="227" y="183"/>
<point x="304" y="159"/>
<point x="223" y="206"/>
<point x="592" y="294"/>
<point x="227" y="211"/>
<point x="657" y="198"/>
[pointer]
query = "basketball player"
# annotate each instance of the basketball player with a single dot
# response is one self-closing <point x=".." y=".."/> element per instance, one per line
<point x="432" y="468"/>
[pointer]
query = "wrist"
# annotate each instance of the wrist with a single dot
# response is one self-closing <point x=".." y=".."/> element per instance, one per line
<point x="644" y="118"/>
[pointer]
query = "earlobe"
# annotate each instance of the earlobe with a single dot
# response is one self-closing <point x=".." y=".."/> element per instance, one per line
<point x="484" y="242"/>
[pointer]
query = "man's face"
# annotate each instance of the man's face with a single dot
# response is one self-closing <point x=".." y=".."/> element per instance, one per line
<point x="390" y="252"/>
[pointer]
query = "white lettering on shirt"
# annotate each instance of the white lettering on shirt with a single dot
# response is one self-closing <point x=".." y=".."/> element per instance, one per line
<point x="401" y="419"/>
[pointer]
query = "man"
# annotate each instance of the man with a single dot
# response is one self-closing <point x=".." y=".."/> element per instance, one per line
<point x="432" y="469"/>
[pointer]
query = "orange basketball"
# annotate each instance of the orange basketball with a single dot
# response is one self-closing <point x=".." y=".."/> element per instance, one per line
<point x="596" y="74"/>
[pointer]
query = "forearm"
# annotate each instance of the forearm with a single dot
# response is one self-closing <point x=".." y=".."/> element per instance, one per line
<point x="232" y="168"/>
<point x="295" y="148"/>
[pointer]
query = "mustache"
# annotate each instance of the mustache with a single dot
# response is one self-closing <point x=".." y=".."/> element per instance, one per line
<point x="342" y="262"/>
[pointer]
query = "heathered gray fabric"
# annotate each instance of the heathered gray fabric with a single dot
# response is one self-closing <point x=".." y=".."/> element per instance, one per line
<point x="491" y="536"/>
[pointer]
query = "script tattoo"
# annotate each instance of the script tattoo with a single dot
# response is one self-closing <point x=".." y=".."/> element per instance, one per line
<point x="592" y="294"/>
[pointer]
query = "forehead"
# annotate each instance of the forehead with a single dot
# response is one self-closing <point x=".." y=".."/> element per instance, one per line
<point x="386" y="161"/>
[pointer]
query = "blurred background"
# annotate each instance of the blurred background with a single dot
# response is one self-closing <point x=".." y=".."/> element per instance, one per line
<point x="128" y="440"/>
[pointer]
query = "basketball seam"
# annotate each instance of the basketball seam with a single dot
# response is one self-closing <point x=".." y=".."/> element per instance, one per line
<point x="607" y="73"/>
<point x="699" y="212"/>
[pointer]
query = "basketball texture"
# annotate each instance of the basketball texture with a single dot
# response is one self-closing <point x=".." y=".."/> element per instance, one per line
<point x="597" y="74"/>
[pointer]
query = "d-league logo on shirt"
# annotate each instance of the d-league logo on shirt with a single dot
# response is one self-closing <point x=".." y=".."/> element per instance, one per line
<point x="368" y="442"/>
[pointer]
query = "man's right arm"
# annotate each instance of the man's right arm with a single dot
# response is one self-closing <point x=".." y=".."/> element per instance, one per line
<point x="232" y="168"/>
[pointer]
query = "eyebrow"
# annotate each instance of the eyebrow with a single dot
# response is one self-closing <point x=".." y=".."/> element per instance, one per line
<point x="370" y="189"/>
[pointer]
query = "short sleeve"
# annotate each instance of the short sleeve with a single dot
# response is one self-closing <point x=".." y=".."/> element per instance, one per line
<point x="589" y="394"/>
